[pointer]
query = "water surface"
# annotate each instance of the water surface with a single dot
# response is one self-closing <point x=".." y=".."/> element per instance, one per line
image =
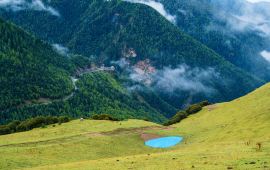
<point x="164" y="142"/>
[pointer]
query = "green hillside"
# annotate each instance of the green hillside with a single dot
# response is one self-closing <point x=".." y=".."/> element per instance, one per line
<point x="30" y="69"/>
<point x="97" y="93"/>
<point x="109" y="29"/>
<point x="37" y="81"/>
<point x="221" y="136"/>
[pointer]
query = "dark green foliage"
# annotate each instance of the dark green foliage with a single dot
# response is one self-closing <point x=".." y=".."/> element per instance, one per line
<point x="194" y="108"/>
<point x="204" y="103"/>
<point x="182" y="114"/>
<point x="30" y="69"/>
<point x="80" y="61"/>
<point x="177" y="118"/>
<point x="4" y="130"/>
<point x="155" y="101"/>
<point x="100" y="93"/>
<point x="97" y="93"/>
<point x="29" y="124"/>
<point x="104" y="117"/>
<point x="63" y="119"/>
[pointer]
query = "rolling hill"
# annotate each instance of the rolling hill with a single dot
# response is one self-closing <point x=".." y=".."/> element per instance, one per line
<point x="221" y="136"/>
<point x="113" y="30"/>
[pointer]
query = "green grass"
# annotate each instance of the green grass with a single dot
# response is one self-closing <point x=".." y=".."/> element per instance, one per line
<point x="221" y="136"/>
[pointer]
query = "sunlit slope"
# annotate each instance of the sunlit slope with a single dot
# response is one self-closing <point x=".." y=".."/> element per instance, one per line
<point x="246" y="118"/>
<point x="221" y="136"/>
<point x="72" y="142"/>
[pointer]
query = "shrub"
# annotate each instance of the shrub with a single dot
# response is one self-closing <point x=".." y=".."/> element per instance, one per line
<point x="204" y="103"/>
<point x="51" y="120"/>
<point x="176" y="118"/>
<point x="4" y="130"/>
<point x="29" y="124"/>
<point x="63" y="119"/>
<point x="12" y="125"/>
<point x="104" y="117"/>
<point x="193" y="109"/>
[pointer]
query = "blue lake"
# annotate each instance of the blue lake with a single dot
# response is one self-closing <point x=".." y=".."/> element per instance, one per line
<point x="164" y="142"/>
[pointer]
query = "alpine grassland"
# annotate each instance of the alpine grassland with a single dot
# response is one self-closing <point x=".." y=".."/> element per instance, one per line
<point x="231" y="135"/>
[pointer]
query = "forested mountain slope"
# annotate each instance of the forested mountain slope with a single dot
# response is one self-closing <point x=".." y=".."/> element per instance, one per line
<point x="30" y="68"/>
<point x="35" y="80"/>
<point x="97" y="93"/>
<point x="113" y="30"/>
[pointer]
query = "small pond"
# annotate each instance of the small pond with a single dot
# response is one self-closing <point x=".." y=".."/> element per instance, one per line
<point x="164" y="142"/>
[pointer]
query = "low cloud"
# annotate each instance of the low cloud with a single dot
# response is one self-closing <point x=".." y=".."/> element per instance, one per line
<point x="266" y="55"/>
<point x="170" y="80"/>
<point x="243" y="15"/>
<point x="157" y="6"/>
<point x="60" y="49"/>
<point x="18" y="5"/>
<point x="122" y="63"/>
<point x="185" y="78"/>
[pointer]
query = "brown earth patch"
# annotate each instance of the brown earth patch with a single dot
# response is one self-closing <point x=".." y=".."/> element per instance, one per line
<point x="148" y="136"/>
<point x="123" y="131"/>
<point x="211" y="107"/>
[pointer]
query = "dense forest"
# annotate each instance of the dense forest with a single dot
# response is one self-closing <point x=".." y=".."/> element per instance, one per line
<point x="109" y="29"/>
<point x="31" y="70"/>
<point x="97" y="93"/>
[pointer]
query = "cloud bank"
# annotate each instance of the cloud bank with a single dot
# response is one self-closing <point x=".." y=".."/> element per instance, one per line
<point x="169" y="80"/>
<point x="18" y="5"/>
<point x="157" y="6"/>
<point x="185" y="78"/>
<point x="242" y="15"/>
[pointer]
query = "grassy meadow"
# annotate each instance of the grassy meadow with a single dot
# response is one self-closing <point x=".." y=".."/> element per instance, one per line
<point x="232" y="135"/>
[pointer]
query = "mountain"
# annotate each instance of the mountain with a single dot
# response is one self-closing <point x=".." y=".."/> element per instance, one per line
<point x="37" y="81"/>
<point x="113" y="31"/>
<point x="30" y="68"/>
<point x="221" y="136"/>
<point x="236" y="30"/>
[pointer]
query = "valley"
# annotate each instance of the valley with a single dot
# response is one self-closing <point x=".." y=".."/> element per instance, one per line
<point x="134" y="84"/>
